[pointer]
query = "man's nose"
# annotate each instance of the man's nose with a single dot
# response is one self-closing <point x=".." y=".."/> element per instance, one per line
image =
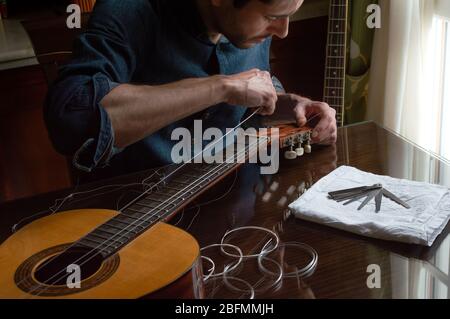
<point x="280" y="28"/>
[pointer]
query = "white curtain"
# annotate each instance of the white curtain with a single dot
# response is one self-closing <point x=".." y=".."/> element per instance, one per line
<point x="401" y="85"/>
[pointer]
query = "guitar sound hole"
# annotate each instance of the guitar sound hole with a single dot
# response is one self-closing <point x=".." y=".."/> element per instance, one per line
<point x="79" y="264"/>
<point x="45" y="273"/>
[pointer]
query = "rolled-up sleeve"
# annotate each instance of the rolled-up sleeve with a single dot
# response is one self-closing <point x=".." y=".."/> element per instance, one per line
<point x="104" y="57"/>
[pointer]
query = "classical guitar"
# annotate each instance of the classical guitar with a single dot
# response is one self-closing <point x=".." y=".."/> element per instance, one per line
<point x="335" y="64"/>
<point x="133" y="253"/>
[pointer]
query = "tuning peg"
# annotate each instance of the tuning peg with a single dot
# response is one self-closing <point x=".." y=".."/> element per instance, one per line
<point x="308" y="148"/>
<point x="291" y="154"/>
<point x="300" y="151"/>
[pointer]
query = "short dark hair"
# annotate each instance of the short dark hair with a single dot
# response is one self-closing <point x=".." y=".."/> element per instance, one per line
<point x="242" y="3"/>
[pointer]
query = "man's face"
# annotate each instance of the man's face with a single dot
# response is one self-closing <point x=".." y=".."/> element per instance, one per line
<point x="252" y="24"/>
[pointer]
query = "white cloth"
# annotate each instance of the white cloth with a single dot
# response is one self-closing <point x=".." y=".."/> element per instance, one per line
<point x="421" y="224"/>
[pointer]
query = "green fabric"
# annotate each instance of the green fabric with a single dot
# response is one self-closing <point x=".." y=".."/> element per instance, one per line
<point x="358" y="67"/>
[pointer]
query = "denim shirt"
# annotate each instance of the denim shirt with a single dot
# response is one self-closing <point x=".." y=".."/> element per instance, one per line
<point x="150" y="42"/>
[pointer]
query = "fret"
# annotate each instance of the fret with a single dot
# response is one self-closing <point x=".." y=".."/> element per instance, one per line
<point x="333" y="74"/>
<point x="100" y="243"/>
<point x="132" y="215"/>
<point x="150" y="197"/>
<point x="333" y="97"/>
<point x="147" y="204"/>
<point x="112" y="233"/>
<point x="336" y="73"/>
<point x="140" y="210"/>
<point x="116" y="228"/>
<point x="165" y="192"/>
<point x="330" y="84"/>
<point x="172" y="188"/>
<point x="105" y="238"/>
<point x="149" y="217"/>
<point x="89" y="244"/>
<point x="181" y="182"/>
<point x="338" y="49"/>
<point x="170" y="202"/>
<point x="114" y="220"/>
<point x="130" y="221"/>
<point x="333" y="92"/>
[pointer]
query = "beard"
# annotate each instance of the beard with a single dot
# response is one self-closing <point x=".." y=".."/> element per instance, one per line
<point x="243" y="42"/>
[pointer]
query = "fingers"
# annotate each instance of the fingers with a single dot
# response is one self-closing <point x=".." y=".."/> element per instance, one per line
<point x="253" y="89"/>
<point x="330" y="137"/>
<point x="269" y="95"/>
<point x="249" y="74"/>
<point x="325" y="131"/>
<point x="300" y="116"/>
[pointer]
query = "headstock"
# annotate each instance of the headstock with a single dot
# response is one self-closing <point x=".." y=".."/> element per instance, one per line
<point x="297" y="140"/>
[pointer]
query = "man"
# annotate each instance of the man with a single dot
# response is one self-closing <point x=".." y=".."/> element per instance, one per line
<point x="146" y="67"/>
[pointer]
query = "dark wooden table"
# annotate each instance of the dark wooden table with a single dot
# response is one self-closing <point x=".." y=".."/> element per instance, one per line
<point x="250" y="199"/>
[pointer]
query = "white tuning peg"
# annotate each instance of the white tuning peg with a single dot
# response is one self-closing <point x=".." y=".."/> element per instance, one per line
<point x="290" y="155"/>
<point x="300" y="151"/>
<point x="308" y="148"/>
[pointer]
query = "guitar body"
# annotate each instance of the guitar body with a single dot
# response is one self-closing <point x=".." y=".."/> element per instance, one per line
<point x="160" y="259"/>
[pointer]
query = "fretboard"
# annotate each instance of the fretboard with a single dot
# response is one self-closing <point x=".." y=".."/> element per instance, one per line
<point x="159" y="204"/>
<point x="334" y="86"/>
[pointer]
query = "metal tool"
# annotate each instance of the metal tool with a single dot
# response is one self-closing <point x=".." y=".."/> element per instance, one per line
<point x="376" y="191"/>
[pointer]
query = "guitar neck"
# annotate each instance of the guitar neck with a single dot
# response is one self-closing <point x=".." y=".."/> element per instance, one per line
<point x="334" y="86"/>
<point x="181" y="186"/>
<point x="162" y="202"/>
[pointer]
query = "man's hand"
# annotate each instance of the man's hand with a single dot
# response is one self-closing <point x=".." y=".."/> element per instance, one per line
<point x="252" y="89"/>
<point x="308" y="112"/>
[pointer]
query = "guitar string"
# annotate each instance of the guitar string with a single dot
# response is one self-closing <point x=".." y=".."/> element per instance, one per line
<point x="165" y="203"/>
<point x="200" y="205"/>
<point x="97" y="252"/>
<point x="93" y="250"/>
<point x="143" y="217"/>
<point x="212" y="173"/>
<point x="60" y="202"/>
<point x="150" y="189"/>
<point x="163" y="180"/>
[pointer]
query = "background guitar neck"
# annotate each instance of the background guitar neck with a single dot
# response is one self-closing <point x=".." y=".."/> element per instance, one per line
<point x="334" y="86"/>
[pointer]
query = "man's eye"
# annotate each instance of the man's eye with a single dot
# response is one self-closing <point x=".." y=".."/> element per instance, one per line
<point x="269" y="18"/>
